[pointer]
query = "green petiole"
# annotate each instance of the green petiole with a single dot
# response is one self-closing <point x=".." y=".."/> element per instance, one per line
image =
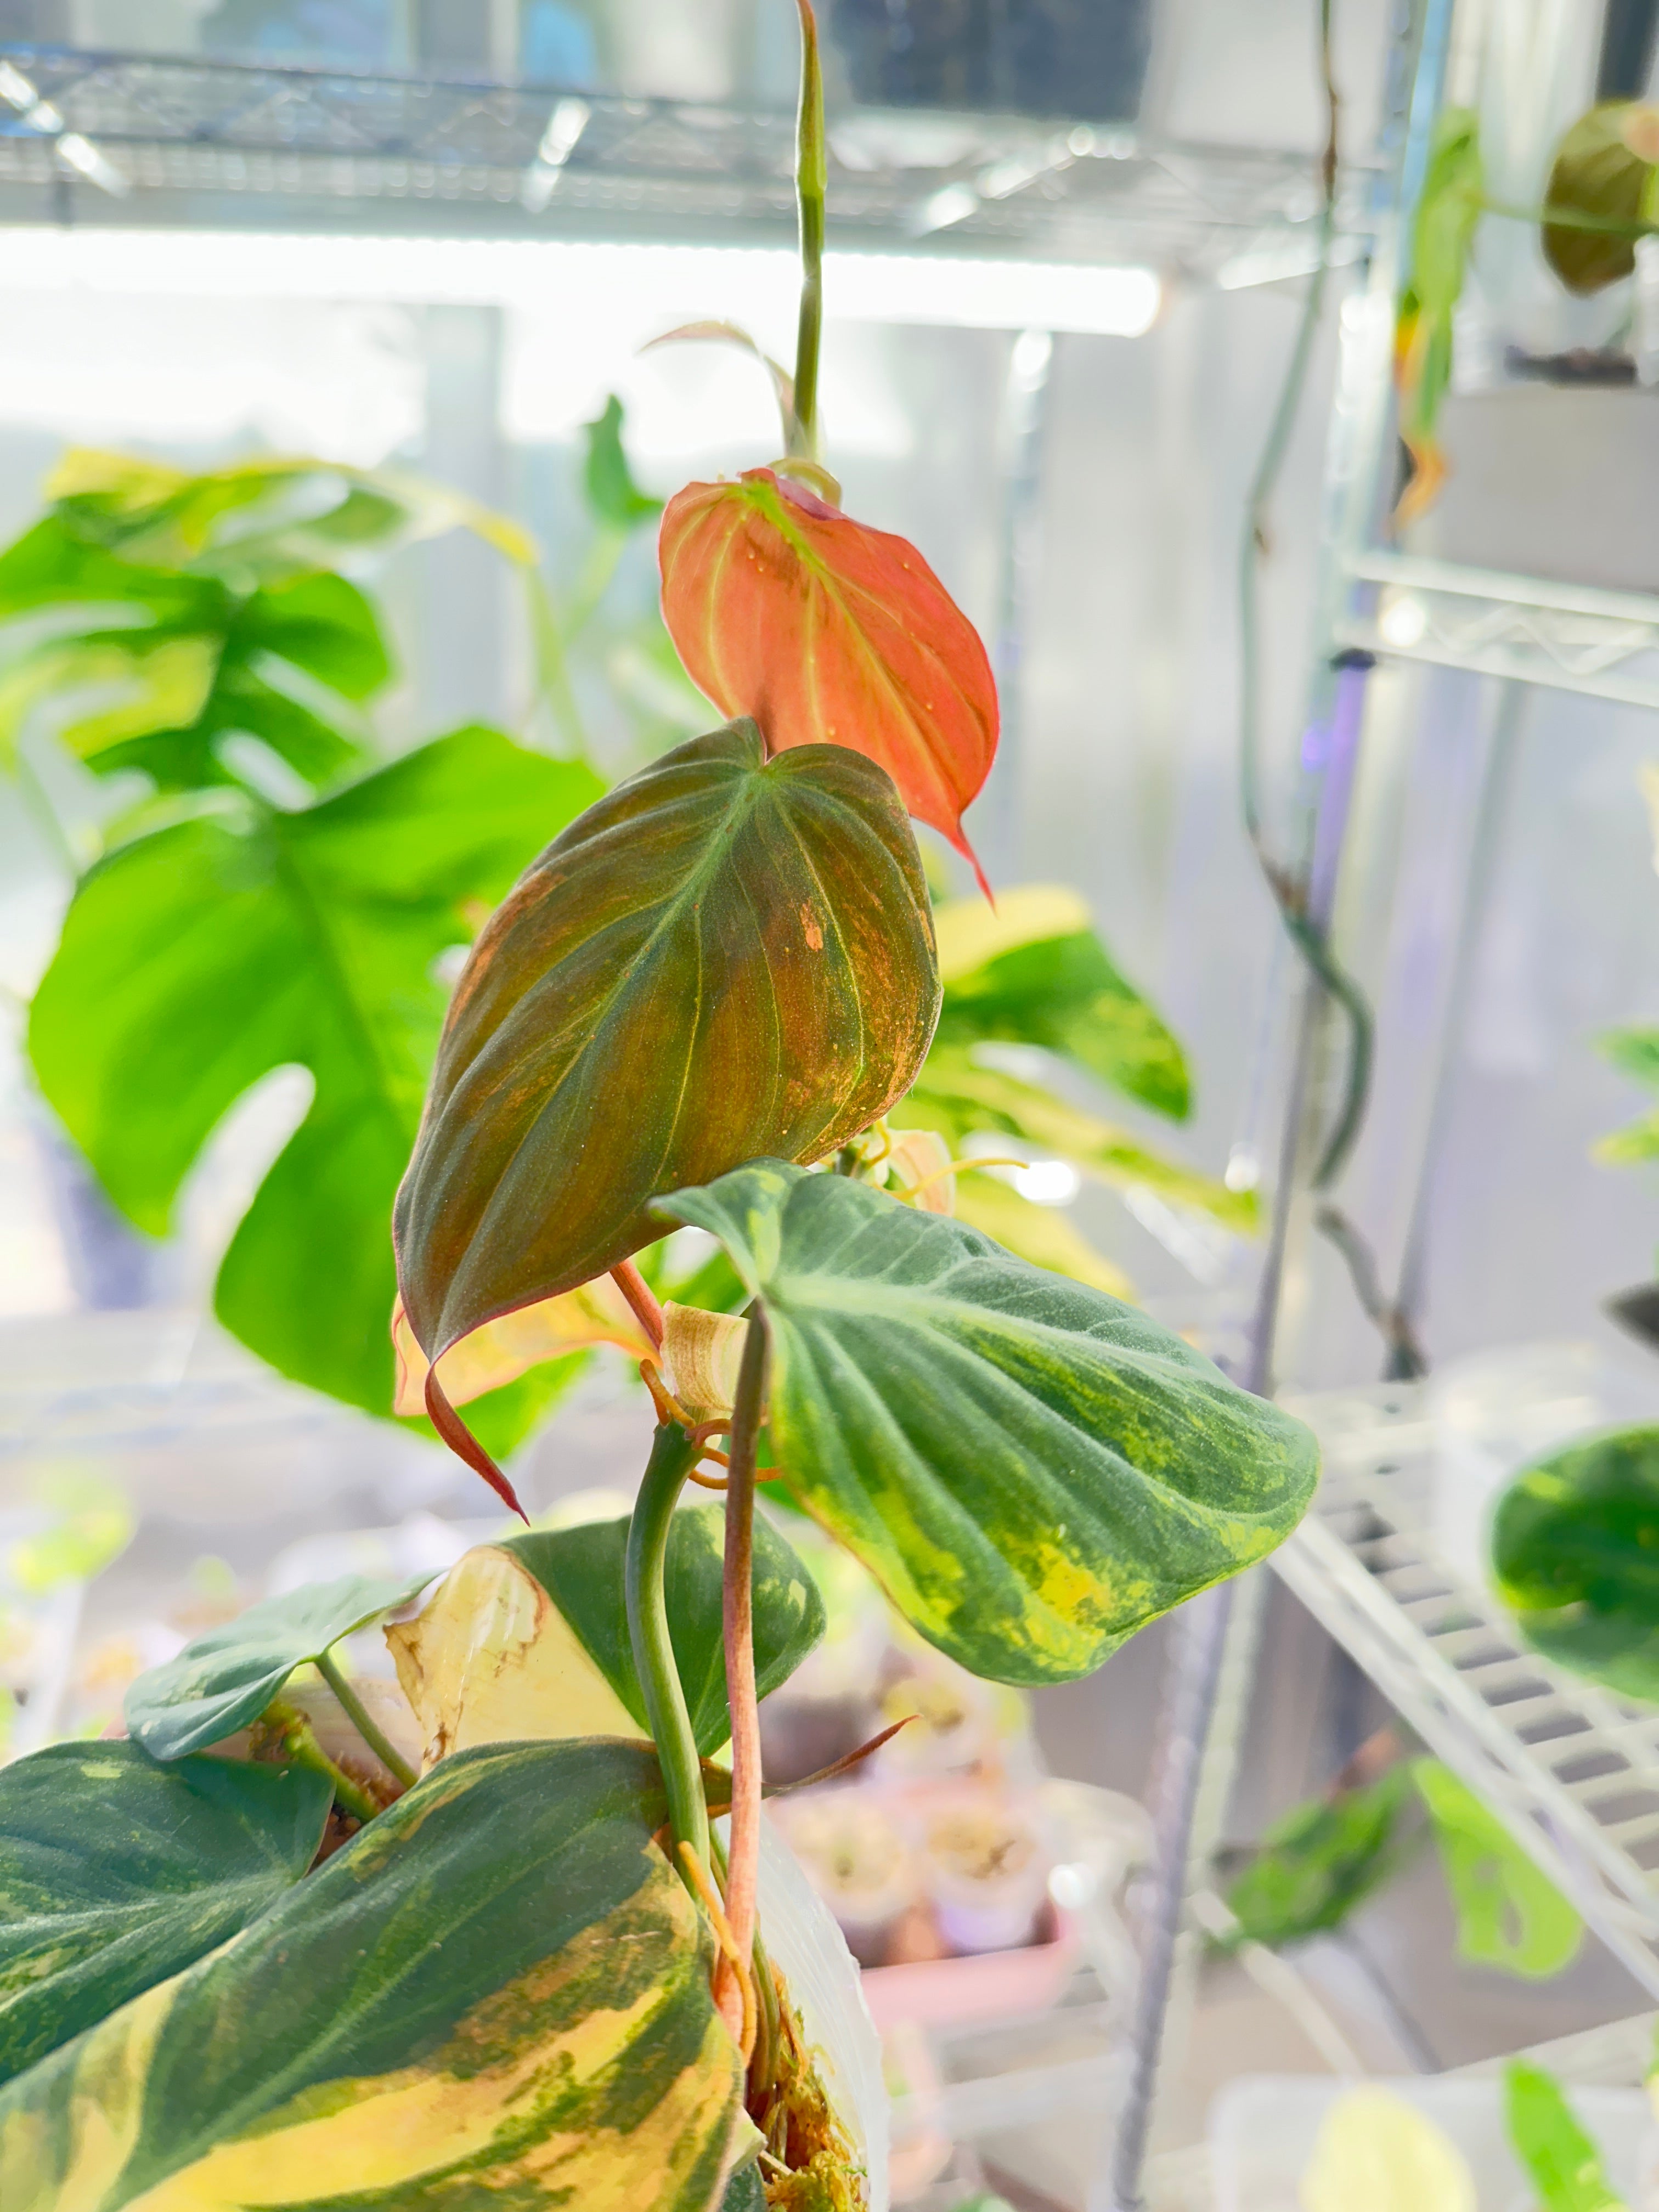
<point x="357" y="1713"/>
<point x="674" y="1455"/>
<point x="812" y="188"/>
<point x="298" y="1744"/>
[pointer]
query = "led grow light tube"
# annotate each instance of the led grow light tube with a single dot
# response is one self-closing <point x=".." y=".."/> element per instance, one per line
<point x="563" y="274"/>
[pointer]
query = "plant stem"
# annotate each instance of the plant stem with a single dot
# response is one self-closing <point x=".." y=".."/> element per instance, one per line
<point x="299" y="1745"/>
<point x="641" y="1299"/>
<point x="743" y="1868"/>
<point x="357" y="1713"/>
<point x="673" y="1454"/>
<point x="811" y="187"/>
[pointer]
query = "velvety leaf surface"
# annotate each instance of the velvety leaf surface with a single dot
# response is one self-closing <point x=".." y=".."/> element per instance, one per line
<point x="1032" y="970"/>
<point x="116" y="1873"/>
<point x="1600" y="173"/>
<point x="206" y="953"/>
<point x="827" y="632"/>
<point x="223" y="1680"/>
<point x="1574" y="1557"/>
<point x="1032" y="1470"/>
<point x="726" y="956"/>
<point x="497" y="1994"/>
<point x="1509" y="1914"/>
<point x="582" y="1570"/>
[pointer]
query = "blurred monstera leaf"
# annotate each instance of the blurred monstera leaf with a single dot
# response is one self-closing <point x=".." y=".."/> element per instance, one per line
<point x="497" y="1991"/>
<point x="785" y="609"/>
<point x="1032" y="1470"/>
<point x="725" y="957"/>
<point x="207" y="952"/>
<point x="528" y="1638"/>
<point x="1603" y="194"/>
<point x="210" y="617"/>
<point x="1441" y="234"/>
<point x="1031" y="970"/>
<point x="1574" y="1557"/>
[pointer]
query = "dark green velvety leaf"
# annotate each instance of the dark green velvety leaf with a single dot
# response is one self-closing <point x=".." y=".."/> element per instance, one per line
<point x="608" y="481"/>
<point x="1562" y="2161"/>
<point x="1321" y="1862"/>
<point x="726" y="956"/>
<point x="198" y="957"/>
<point x="223" y="1680"/>
<point x="1574" y="1554"/>
<point x="1031" y="1470"/>
<point x="115" y="1871"/>
<point x="581" y="1570"/>
<point x="1509" y="1914"/>
<point x="1599" y="177"/>
<point x="496" y="1995"/>
<point x="1035" y="973"/>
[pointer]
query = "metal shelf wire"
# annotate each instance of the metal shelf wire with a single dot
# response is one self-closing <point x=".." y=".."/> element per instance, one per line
<point x="1573" y="1773"/>
<point x="204" y="141"/>
<point x="1570" y="637"/>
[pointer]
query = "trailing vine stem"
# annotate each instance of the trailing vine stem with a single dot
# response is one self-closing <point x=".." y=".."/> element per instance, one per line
<point x="673" y="1453"/>
<point x="811" y="189"/>
<point x="743" y="1872"/>
<point x="1287" y="884"/>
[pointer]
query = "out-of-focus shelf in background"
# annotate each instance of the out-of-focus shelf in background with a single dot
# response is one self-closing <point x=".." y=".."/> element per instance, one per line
<point x="139" y="137"/>
<point x="1573" y="1773"/>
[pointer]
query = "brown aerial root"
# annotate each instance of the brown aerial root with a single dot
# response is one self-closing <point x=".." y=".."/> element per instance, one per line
<point x="704" y="1883"/>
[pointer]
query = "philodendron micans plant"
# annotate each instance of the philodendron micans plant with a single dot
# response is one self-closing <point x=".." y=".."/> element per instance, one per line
<point x="298" y="1943"/>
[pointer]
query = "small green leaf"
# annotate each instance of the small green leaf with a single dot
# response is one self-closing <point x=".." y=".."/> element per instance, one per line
<point x="1575" y="1550"/>
<point x="223" y="1680"/>
<point x="199" y="957"/>
<point x="1321" y="1862"/>
<point x="1032" y="1470"/>
<point x="90" y="1523"/>
<point x="1508" y="1915"/>
<point x="497" y="1994"/>
<point x="608" y="481"/>
<point x="959" y="1097"/>
<point x="726" y="956"/>
<point x="1562" y="2161"/>
<point x="116" y="1873"/>
<point x="1032" y="971"/>
<point x="581" y="1570"/>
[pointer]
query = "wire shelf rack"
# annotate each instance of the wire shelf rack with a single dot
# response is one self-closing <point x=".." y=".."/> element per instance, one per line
<point x="1570" y="637"/>
<point x="225" y="137"/>
<point x="1573" y="1773"/>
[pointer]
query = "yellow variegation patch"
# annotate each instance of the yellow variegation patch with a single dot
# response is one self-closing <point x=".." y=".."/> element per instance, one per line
<point x="492" y="1660"/>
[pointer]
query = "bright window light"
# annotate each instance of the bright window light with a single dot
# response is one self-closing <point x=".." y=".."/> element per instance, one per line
<point x="1048" y="1182"/>
<point x="880" y="288"/>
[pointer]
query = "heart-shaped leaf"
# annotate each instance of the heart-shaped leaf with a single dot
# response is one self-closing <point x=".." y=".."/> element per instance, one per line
<point x="827" y="632"/>
<point x="1032" y="1470"/>
<point x="497" y="1993"/>
<point x="1573" y="1553"/>
<point x="115" y="1873"/>
<point x="726" y="956"/>
<point x="199" y="958"/>
<point x="528" y="1638"/>
<point x="1603" y="175"/>
<point x="223" y="1680"/>
<point x="1031" y="970"/>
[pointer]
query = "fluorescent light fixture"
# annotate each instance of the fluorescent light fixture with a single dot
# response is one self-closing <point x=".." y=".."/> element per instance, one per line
<point x="541" y="274"/>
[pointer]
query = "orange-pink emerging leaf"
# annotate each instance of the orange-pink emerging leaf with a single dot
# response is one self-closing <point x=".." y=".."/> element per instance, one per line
<point x="828" y="633"/>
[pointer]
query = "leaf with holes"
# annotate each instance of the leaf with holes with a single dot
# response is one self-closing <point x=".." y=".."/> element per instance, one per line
<point x="201" y="956"/>
<point x="827" y="632"/>
<point x="1509" y="1915"/>
<point x="1032" y="1470"/>
<point x="496" y="1993"/>
<point x="115" y="1871"/>
<point x="726" y="956"/>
